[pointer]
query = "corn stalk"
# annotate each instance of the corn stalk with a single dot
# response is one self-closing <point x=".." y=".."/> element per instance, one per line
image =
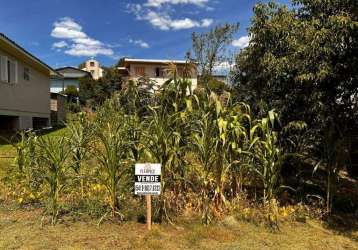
<point x="113" y="152"/>
<point x="53" y="159"/>
<point x="80" y="136"/>
<point x="267" y="155"/>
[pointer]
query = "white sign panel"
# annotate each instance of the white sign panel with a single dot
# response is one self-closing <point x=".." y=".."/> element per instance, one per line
<point x="147" y="179"/>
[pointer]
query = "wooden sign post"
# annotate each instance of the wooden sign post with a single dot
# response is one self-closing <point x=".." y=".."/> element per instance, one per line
<point x="147" y="182"/>
<point x="149" y="211"/>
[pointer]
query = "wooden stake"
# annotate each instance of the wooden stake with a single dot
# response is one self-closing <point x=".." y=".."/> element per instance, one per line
<point x="149" y="211"/>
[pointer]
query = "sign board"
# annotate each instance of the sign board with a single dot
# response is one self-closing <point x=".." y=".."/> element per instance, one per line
<point x="147" y="179"/>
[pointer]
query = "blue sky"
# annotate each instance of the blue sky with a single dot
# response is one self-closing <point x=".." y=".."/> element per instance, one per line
<point x="67" y="32"/>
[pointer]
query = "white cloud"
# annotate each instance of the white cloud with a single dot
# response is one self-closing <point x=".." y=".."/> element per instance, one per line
<point x="116" y="45"/>
<point x="160" y="3"/>
<point x="87" y="41"/>
<point x="206" y="22"/>
<point x="67" y="28"/>
<point x="78" y="43"/>
<point x="84" y="50"/>
<point x="242" y="42"/>
<point x="185" y="23"/>
<point x="223" y="68"/>
<point x="140" y="43"/>
<point x="60" y="45"/>
<point x="164" y="21"/>
<point x="153" y="12"/>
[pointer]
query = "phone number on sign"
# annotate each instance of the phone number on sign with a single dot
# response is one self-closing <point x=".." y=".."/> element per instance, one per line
<point x="141" y="188"/>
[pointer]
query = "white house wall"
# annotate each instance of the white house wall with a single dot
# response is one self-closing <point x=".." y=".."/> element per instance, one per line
<point x="25" y="99"/>
<point x="150" y="72"/>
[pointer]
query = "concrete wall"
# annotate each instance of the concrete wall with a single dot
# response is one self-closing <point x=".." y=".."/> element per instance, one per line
<point x="26" y="98"/>
<point x="150" y="71"/>
<point x="58" y="110"/>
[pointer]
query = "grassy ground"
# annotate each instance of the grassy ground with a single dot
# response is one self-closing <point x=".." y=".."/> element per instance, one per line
<point x="7" y="150"/>
<point x="23" y="230"/>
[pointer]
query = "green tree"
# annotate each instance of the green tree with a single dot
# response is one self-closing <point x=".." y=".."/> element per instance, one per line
<point x="210" y="47"/>
<point x="302" y="62"/>
<point x="71" y="92"/>
<point x="95" y="92"/>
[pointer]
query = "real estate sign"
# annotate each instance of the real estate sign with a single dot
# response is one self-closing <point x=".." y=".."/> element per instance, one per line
<point x="147" y="179"/>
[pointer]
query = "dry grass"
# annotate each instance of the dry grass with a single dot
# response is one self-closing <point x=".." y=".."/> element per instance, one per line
<point x="21" y="229"/>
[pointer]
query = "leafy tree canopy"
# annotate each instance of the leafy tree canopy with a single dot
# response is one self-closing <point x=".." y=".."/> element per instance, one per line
<point x="303" y="61"/>
<point x="210" y="47"/>
<point x="96" y="92"/>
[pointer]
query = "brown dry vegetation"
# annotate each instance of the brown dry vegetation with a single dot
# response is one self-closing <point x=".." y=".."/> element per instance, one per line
<point x="21" y="229"/>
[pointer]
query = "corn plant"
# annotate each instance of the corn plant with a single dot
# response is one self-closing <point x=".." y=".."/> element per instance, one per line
<point x="80" y="132"/>
<point x="167" y="133"/>
<point x="53" y="158"/>
<point x="267" y="155"/>
<point x="209" y="143"/>
<point x="113" y="153"/>
<point x="221" y="134"/>
<point x="203" y="145"/>
<point x="161" y="143"/>
<point x="239" y="123"/>
<point x="80" y="136"/>
<point x="22" y="151"/>
<point x="25" y="159"/>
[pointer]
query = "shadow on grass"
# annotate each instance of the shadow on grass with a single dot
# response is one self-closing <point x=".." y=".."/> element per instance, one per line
<point x="343" y="224"/>
<point x="344" y="219"/>
<point x="8" y="137"/>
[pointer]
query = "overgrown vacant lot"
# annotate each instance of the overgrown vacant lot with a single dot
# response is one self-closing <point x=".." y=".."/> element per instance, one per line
<point x="21" y="229"/>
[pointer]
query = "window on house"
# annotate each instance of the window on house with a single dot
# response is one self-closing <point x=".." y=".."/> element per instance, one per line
<point x="159" y="72"/>
<point x="11" y="71"/>
<point x="139" y="71"/>
<point x="3" y="68"/>
<point x="180" y="71"/>
<point x="92" y="64"/>
<point x="26" y="74"/>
